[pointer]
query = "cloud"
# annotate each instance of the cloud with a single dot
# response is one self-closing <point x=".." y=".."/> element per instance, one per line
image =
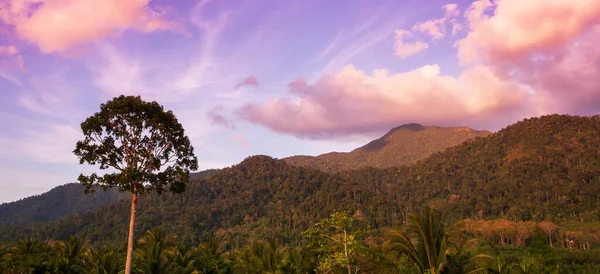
<point x="240" y="139"/>
<point x="566" y="81"/>
<point x="248" y="81"/>
<point x="406" y="49"/>
<point x="434" y="28"/>
<point x="475" y="13"/>
<point x="11" y="58"/>
<point x="451" y="14"/>
<point x="61" y="25"/>
<point x="524" y="59"/>
<point x="8" y="50"/>
<point x="549" y="46"/>
<point x="354" y="102"/>
<point x="518" y="28"/>
<point x="217" y="118"/>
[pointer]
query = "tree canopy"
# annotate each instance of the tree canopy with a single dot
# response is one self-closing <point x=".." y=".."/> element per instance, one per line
<point x="142" y="143"/>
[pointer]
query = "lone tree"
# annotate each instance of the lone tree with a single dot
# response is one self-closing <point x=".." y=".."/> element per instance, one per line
<point x="143" y="146"/>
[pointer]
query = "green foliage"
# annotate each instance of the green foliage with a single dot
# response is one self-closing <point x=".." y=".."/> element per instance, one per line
<point x="427" y="244"/>
<point x="162" y="252"/>
<point x="153" y="252"/>
<point x="144" y="144"/>
<point x="518" y="174"/>
<point x="73" y="255"/>
<point x="540" y="172"/>
<point x="212" y="257"/>
<point x="337" y="244"/>
<point x="105" y="260"/>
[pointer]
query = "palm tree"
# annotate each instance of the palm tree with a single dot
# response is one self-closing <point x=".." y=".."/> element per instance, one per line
<point x="212" y="256"/>
<point x="30" y="256"/>
<point x="296" y="261"/>
<point x="425" y="242"/>
<point x="73" y="255"/>
<point x="262" y="257"/>
<point x="500" y="266"/>
<point x="182" y="260"/>
<point x="462" y="259"/>
<point x="528" y="265"/>
<point x="153" y="252"/>
<point x="105" y="260"/>
<point x="27" y="246"/>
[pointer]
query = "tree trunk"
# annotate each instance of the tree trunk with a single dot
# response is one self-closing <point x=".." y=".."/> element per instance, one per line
<point x="130" y="239"/>
<point x="346" y="251"/>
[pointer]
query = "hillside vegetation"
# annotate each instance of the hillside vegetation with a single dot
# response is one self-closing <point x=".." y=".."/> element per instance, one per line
<point x="528" y="194"/>
<point x="60" y="201"/>
<point x="538" y="169"/>
<point x="402" y="145"/>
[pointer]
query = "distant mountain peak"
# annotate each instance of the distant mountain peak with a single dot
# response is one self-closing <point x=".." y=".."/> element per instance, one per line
<point x="411" y="126"/>
<point x="402" y="145"/>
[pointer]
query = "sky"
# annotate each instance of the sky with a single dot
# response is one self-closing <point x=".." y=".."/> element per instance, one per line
<point x="282" y="78"/>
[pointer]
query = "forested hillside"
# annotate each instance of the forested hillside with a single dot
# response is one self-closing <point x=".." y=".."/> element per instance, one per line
<point x="402" y="145"/>
<point x="538" y="169"/>
<point x="528" y="193"/>
<point x="60" y="201"/>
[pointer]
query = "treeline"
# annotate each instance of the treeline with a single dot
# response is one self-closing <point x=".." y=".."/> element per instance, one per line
<point x="506" y="232"/>
<point x="541" y="169"/>
<point x="339" y="243"/>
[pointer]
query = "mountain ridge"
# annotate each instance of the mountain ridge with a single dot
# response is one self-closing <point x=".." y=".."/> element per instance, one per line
<point x="402" y="145"/>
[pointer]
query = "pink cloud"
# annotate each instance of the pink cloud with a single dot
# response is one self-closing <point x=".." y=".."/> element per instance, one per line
<point x="519" y="27"/>
<point x="476" y="12"/>
<point x="522" y="59"/>
<point x="567" y="80"/>
<point x="11" y="58"/>
<point x="8" y="50"/>
<point x="436" y="28"/>
<point x="55" y="25"/>
<point x="451" y="13"/>
<point x="406" y="49"/>
<point x="249" y="81"/>
<point x="451" y="10"/>
<point x="240" y="139"/>
<point x="353" y="102"/>
<point x="218" y="119"/>
<point x="549" y="46"/>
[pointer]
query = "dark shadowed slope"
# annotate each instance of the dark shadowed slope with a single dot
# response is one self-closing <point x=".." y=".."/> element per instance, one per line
<point x="60" y="201"/>
<point x="403" y="145"/>
<point x="64" y="200"/>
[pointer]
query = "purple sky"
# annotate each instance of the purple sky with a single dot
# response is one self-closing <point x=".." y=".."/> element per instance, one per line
<point x="283" y="77"/>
